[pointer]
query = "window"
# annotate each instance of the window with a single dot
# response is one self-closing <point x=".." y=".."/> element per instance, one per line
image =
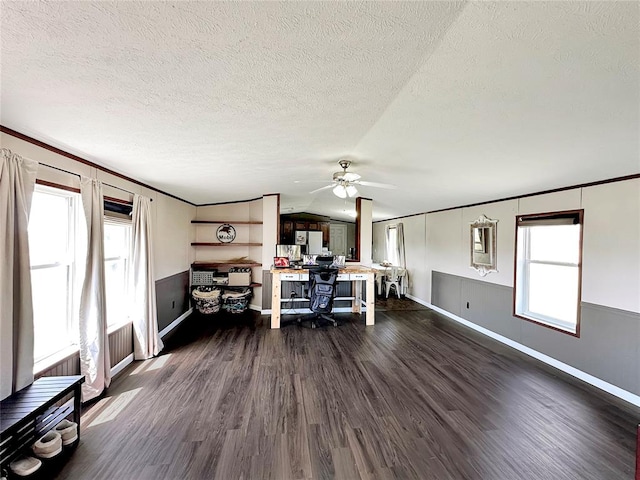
<point x="55" y="239"/>
<point x="53" y="222"/>
<point x="548" y="269"/>
<point x="117" y="235"/>
<point x="392" y="244"/>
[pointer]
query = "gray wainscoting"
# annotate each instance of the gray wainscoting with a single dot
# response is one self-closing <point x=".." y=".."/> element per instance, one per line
<point x="266" y="289"/>
<point x="120" y="344"/>
<point x="608" y="347"/>
<point x="120" y="347"/>
<point x="172" y="297"/>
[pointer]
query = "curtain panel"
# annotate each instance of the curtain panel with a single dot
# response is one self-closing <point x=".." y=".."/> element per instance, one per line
<point x="17" y="182"/>
<point x="144" y="315"/>
<point x="94" y="343"/>
<point x="402" y="260"/>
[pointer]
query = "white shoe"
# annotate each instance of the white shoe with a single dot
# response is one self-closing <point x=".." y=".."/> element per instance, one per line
<point x="24" y="466"/>
<point x="68" y="431"/>
<point x="48" y="446"/>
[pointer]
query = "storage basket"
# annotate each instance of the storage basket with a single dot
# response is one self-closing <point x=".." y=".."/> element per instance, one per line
<point x="236" y="301"/>
<point x="207" y="299"/>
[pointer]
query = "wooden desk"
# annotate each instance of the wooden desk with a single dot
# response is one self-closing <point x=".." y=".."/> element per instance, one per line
<point x="356" y="275"/>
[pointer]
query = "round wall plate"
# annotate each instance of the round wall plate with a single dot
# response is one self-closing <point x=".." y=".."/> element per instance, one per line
<point x="226" y="233"/>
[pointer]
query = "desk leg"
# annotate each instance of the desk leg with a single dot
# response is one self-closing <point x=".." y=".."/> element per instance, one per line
<point x="275" y="300"/>
<point x="356" y="303"/>
<point x="371" y="300"/>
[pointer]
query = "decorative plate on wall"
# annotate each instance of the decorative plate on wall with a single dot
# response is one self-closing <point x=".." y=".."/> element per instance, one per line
<point x="226" y="233"/>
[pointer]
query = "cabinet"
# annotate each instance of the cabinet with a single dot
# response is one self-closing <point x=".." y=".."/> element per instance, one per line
<point x="289" y="224"/>
<point x="243" y="231"/>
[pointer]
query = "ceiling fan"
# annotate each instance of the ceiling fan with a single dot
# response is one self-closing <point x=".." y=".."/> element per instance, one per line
<point x="344" y="183"/>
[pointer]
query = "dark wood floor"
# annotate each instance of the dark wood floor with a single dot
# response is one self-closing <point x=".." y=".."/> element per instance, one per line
<point x="413" y="397"/>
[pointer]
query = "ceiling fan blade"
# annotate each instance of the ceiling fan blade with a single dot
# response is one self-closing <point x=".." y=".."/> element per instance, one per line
<point x="350" y="176"/>
<point x="377" y="185"/>
<point x="322" y="188"/>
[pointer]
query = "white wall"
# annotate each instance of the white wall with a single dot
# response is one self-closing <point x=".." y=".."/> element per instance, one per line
<point x="611" y="245"/>
<point x="611" y="262"/>
<point x="173" y="235"/>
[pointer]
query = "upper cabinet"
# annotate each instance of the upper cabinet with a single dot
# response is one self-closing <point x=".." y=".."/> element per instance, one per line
<point x="289" y="224"/>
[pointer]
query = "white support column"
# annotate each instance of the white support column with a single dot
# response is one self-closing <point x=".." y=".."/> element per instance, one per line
<point x="366" y="231"/>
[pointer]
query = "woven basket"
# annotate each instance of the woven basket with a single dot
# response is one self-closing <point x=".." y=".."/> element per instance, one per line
<point x="236" y="302"/>
<point x="207" y="300"/>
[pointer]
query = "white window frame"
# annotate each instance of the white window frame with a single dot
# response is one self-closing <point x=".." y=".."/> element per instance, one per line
<point x="523" y="264"/>
<point x="71" y="260"/>
<point x="117" y="220"/>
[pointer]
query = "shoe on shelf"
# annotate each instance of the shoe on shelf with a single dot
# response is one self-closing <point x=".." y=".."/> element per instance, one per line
<point x="49" y="445"/>
<point x="68" y="431"/>
<point x="24" y="466"/>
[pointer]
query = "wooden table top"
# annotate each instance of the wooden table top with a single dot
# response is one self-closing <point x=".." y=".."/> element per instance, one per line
<point x="345" y="269"/>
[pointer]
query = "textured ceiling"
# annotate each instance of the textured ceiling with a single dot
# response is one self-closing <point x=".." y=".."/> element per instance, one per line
<point x="453" y="102"/>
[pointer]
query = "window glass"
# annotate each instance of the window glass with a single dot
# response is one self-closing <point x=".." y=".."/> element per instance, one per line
<point x="555" y="243"/>
<point x="49" y="227"/>
<point x="116" y="248"/>
<point x="50" y="287"/>
<point x="116" y="239"/>
<point x="553" y="291"/>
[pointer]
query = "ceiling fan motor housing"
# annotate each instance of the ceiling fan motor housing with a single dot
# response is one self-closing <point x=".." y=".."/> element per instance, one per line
<point x="345" y="176"/>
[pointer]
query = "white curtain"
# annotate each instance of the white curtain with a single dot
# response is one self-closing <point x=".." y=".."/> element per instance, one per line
<point x="94" y="343"/>
<point x="17" y="181"/>
<point x="146" y="341"/>
<point x="402" y="260"/>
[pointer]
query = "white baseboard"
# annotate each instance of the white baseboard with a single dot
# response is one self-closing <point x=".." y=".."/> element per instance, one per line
<point x="585" y="377"/>
<point x="117" y="368"/>
<point x="175" y="323"/>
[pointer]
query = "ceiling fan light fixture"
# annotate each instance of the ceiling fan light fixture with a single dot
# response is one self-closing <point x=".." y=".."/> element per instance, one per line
<point x="351" y="191"/>
<point x="340" y="191"/>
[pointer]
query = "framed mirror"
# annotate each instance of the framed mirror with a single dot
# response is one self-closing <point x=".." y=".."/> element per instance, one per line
<point x="483" y="245"/>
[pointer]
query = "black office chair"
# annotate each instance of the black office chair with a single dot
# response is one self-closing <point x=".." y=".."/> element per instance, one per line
<point x="322" y="291"/>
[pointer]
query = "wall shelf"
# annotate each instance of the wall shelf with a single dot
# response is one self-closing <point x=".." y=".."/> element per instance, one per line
<point x="221" y="222"/>
<point x="253" y="228"/>
<point x="219" y="244"/>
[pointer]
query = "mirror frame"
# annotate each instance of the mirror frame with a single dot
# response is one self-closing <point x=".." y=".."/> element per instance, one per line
<point x="489" y="241"/>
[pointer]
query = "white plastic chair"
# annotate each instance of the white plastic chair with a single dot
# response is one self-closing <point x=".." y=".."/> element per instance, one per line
<point x="393" y="278"/>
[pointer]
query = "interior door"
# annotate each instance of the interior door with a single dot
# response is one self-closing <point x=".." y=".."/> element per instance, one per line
<point x="338" y="239"/>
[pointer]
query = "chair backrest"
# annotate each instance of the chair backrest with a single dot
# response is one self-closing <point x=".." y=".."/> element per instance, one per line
<point x="322" y="289"/>
<point x="391" y="274"/>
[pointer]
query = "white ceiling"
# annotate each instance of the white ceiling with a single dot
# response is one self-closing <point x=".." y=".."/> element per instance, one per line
<point x="454" y="102"/>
